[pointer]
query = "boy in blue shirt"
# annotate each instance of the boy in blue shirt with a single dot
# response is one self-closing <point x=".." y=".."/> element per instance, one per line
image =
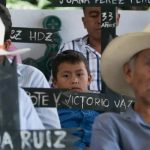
<point x="70" y="70"/>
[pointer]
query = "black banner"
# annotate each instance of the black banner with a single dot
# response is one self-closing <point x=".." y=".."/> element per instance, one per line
<point x="81" y="3"/>
<point x="33" y="35"/>
<point x="9" y="104"/>
<point x="62" y="139"/>
<point x="108" y="17"/>
<point x="73" y="100"/>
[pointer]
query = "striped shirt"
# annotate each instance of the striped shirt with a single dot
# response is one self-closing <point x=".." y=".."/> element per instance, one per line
<point x="93" y="57"/>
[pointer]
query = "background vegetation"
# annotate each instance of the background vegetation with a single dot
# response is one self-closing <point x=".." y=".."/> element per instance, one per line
<point x="28" y="4"/>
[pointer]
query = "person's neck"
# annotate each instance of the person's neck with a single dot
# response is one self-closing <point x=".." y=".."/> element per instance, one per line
<point x="143" y="110"/>
<point x="95" y="43"/>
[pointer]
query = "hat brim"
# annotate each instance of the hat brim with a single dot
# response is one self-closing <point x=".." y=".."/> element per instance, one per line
<point x="4" y="52"/>
<point x="118" y="52"/>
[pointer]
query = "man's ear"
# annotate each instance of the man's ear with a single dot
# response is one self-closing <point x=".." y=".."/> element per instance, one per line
<point x="127" y="71"/>
<point x="7" y="44"/>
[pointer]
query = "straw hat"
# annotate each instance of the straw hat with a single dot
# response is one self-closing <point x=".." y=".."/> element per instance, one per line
<point x="119" y="51"/>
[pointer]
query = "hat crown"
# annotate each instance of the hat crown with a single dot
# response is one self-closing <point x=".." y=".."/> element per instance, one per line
<point x="147" y="28"/>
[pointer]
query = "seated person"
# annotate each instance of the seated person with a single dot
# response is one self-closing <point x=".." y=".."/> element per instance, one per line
<point x="29" y="119"/>
<point x="126" y="69"/>
<point x="29" y="76"/>
<point x="70" y="70"/>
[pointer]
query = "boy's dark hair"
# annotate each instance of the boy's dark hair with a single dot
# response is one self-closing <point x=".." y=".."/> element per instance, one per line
<point x="6" y="18"/>
<point x="70" y="56"/>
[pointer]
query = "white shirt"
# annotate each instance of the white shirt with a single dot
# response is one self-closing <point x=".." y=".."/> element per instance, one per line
<point x="29" y="120"/>
<point x="29" y="76"/>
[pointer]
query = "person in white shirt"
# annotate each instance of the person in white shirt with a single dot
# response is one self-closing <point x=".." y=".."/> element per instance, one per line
<point x="29" y="76"/>
<point x="29" y="120"/>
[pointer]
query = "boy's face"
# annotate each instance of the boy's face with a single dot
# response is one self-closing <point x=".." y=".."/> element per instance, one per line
<point x="72" y="76"/>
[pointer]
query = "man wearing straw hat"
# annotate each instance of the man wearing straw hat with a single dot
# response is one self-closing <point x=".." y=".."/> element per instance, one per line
<point x="126" y="70"/>
<point x="29" y="76"/>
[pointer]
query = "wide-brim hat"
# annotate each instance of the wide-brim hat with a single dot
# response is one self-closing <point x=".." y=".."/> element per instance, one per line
<point x="118" y="52"/>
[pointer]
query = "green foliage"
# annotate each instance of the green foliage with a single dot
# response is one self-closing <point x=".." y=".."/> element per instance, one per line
<point x="28" y="4"/>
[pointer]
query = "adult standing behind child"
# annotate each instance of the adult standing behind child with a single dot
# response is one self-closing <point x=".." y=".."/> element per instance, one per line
<point x="90" y="44"/>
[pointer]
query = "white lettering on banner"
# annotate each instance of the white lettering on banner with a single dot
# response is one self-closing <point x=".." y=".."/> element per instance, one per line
<point x="114" y="2"/>
<point x="25" y="135"/>
<point x="61" y="2"/>
<point x="123" y="103"/>
<point x="57" y="98"/>
<point x="48" y="36"/>
<point x="39" y="98"/>
<point x="34" y="140"/>
<point x="32" y="36"/>
<point x="86" y="101"/>
<point x="108" y="25"/>
<point x="38" y="141"/>
<point x="61" y="135"/>
<point x="16" y="34"/>
<point x="39" y="36"/>
<point x="48" y="137"/>
<point x="42" y="99"/>
<point x="140" y="1"/>
<point x="74" y="2"/>
<point x="6" y="141"/>
<point x="39" y="138"/>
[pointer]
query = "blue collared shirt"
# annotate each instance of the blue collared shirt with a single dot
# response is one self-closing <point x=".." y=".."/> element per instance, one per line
<point x="124" y="131"/>
<point x="29" y="120"/>
<point x="74" y="118"/>
<point x="29" y="76"/>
